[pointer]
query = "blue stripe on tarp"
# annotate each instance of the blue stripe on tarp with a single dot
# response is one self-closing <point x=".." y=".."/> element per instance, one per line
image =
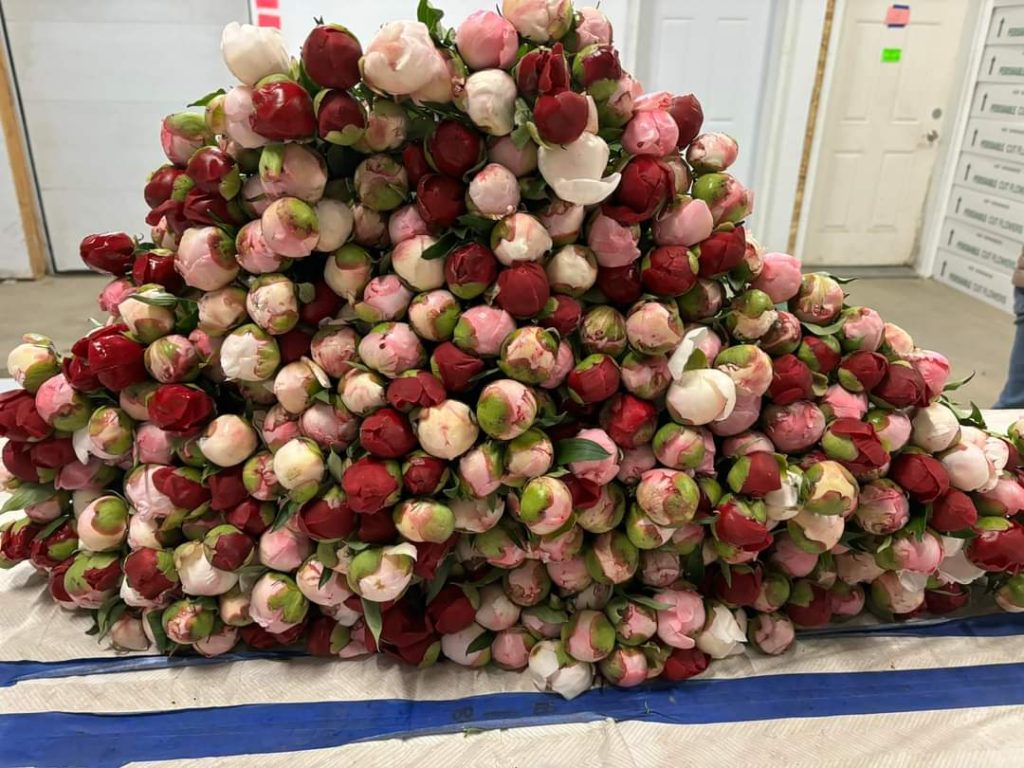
<point x="69" y="739"/>
<point x="13" y="672"/>
<point x="991" y="625"/>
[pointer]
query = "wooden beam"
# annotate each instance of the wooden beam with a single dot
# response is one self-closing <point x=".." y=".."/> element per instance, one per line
<point x="812" y="121"/>
<point x="21" y="170"/>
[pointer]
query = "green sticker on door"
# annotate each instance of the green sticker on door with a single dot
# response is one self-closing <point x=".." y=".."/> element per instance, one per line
<point x="891" y="55"/>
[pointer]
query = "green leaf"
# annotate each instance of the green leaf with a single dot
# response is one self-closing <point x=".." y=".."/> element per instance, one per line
<point x="726" y="573"/>
<point x="578" y="449"/>
<point x="440" y="578"/>
<point x="323" y="396"/>
<point x="551" y="421"/>
<point x="156" y="298"/>
<point x="202" y="102"/>
<point x="306" y="291"/>
<point x="325" y="576"/>
<point x="156" y="626"/>
<point x="649" y="602"/>
<point x="953" y="386"/>
<point x="610" y="134"/>
<point x="533" y="187"/>
<point x="549" y="615"/>
<point x="186" y="315"/>
<point x="284" y="514"/>
<point x="371" y="615"/>
<point x="917" y="525"/>
<point x="431" y="17"/>
<point x="698" y="359"/>
<point x="482" y="641"/>
<point x="441" y="248"/>
<point x="479" y="224"/>
<point x="27" y="494"/>
<point x="53" y="526"/>
<point x="824" y="330"/>
<point x="334" y="465"/>
<point x="840" y="280"/>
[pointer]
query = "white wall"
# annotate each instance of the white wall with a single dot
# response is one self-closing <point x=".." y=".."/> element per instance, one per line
<point x="96" y="77"/>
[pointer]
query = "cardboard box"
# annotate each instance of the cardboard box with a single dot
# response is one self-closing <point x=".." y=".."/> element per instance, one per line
<point x="987" y="212"/>
<point x="1000" y="177"/>
<point x="990" y="285"/>
<point x="977" y="245"/>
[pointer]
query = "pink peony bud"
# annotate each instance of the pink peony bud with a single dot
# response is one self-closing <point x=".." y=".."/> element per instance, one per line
<point x="290" y="227"/>
<point x="493" y="191"/>
<point x="487" y="41"/>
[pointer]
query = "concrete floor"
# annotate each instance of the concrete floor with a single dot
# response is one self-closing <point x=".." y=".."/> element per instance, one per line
<point x="973" y="335"/>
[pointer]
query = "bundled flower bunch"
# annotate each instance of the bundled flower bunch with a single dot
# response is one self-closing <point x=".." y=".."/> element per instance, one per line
<point x="456" y="345"/>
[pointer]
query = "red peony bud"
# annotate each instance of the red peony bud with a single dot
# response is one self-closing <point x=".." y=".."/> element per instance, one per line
<point x="387" y="433"/>
<point x="1000" y="551"/>
<point x="646" y="185"/>
<point x="227" y="489"/>
<point x="282" y="111"/>
<point x="340" y="119"/>
<point x="160" y="185"/>
<point x="621" y="285"/>
<point x="756" y="474"/>
<point x="742" y="588"/>
<point x="855" y="445"/>
<point x="542" y="71"/>
<point x="862" y="371"/>
<point x="429" y="556"/>
<point x="228" y="548"/>
<point x="182" y="486"/>
<point x="454" y="367"/>
<point x="791" y="380"/>
<point x="293" y="345"/>
<point x="523" y="289"/>
<point x="561" y="117"/>
<point x="319" y="641"/>
<point x="19" y="419"/>
<point x="424" y="475"/>
<point x="209" y="167"/>
<point x="371" y="484"/>
<point x="450" y="610"/>
<point x="594" y="379"/>
<point x="150" y="572"/>
<point x="115" y="360"/>
<point x="953" y="511"/>
<point x="420" y="390"/>
<point x="377" y="529"/>
<point x="57" y="547"/>
<point x="331" y="56"/>
<point x="947" y="598"/>
<point x="901" y="387"/>
<point x="211" y="210"/>
<point x="440" y="200"/>
<point x="602" y="63"/>
<point x="52" y="454"/>
<point x="327" y="519"/>
<point x="470" y="270"/>
<point x="562" y="313"/>
<point x="820" y="353"/>
<point x="17" y="458"/>
<point x="252" y="516"/>
<point x="667" y="271"/>
<point x="111" y="253"/>
<point x="629" y="421"/>
<point x="16" y="540"/>
<point x="733" y="526"/>
<point x="809" y="605"/>
<point x="684" y="663"/>
<point x="158" y="268"/>
<point x="920" y="475"/>
<point x="722" y="252"/>
<point x="179" y="407"/>
<point x="689" y="117"/>
<point x="453" y="149"/>
<point x="414" y="158"/>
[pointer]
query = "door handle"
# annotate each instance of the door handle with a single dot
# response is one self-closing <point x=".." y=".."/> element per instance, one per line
<point x="932" y="135"/>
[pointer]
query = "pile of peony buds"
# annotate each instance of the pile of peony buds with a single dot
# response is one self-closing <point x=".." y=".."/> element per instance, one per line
<point x="456" y="345"/>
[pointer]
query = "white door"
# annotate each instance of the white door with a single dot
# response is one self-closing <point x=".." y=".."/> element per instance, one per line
<point x="717" y="51"/>
<point x="96" y="77"/>
<point x="878" y="142"/>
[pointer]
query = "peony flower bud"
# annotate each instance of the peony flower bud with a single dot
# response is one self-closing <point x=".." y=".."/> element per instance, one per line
<point x="90" y="579"/>
<point x="252" y="53"/>
<point x="493" y="192"/>
<point x="382" y="574"/>
<point x="575" y="171"/>
<point x="228" y="440"/>
<point x="330" y="56"/>
<point x="103" y="524"/>
<point x="551" y="668"/>
<point x="488" y="98"/>
<point x="612" y="557"/>
<point x="455" y="647"/>
<point x="276" y="604"/>
<point x="299" y="468"/>
<point x="529" y="355"/>
<point x="206" y="258"/>
<point x="189" y="621"/>
<point x="333" y="347"/>
<point x="290" y="228"/>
